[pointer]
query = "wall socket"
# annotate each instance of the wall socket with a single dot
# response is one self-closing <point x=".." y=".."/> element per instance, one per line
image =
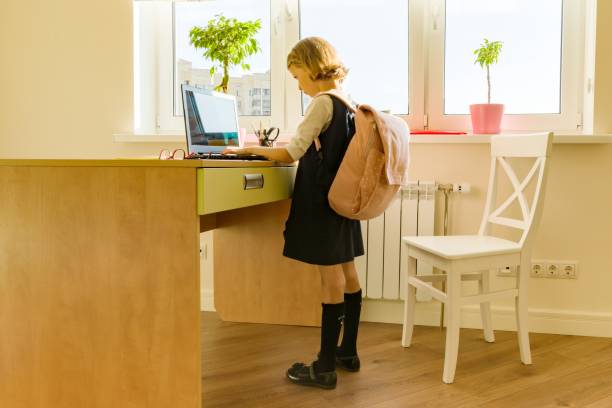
<point x="545" y="269"/>
<point x="554" y="269"/>
<point x="508" y="271"/>
<point x="462" y="187"/>
<point x="569" y="270"/>
<point x="551" y="270"/>
<point x="538" y="269"/>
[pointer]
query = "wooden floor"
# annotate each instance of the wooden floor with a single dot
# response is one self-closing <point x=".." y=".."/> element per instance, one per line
<point x="244" y="366"/>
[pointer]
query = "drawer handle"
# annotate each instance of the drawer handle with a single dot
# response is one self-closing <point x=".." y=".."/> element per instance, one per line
<point x="252" y="181"/>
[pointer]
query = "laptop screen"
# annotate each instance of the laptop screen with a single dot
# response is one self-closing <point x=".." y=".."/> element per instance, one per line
<point x="211" y="122"/>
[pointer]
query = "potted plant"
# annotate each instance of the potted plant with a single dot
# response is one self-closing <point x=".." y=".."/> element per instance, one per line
<point x="486" y="117"/>
<point x="228" y="42"/>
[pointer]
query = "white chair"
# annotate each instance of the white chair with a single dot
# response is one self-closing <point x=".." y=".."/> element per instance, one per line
<point x="471" y="257"/>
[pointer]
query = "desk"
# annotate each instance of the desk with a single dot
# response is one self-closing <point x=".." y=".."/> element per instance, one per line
<point x="99" y="276"/>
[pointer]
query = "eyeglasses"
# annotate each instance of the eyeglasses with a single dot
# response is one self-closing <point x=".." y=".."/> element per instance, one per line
<point x="176" y="154"/>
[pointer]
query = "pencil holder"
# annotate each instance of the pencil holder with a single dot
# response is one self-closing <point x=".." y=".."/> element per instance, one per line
<point x="267" y="137"/>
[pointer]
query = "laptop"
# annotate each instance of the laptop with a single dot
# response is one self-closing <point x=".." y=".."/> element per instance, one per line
<point x="211" y="124"/>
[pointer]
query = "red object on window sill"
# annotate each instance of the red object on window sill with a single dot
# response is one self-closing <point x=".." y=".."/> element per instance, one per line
<point x="436" y="132"/>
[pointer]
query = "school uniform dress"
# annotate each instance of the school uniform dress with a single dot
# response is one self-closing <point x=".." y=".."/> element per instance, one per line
<point x="314" y="233"/>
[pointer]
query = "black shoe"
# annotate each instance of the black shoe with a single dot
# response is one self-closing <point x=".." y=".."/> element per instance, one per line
<point x="351" y="363"/>
<point x="302" y="374"/>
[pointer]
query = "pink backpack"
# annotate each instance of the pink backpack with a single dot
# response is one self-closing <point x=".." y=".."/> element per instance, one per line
<point x="375" y="165"/>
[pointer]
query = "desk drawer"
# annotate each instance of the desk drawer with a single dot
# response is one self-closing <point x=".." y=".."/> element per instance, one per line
<point x="221" y="189"/>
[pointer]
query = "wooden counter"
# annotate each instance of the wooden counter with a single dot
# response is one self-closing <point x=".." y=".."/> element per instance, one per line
<point x="147" y="162"/>
<point x="99" y="280"/>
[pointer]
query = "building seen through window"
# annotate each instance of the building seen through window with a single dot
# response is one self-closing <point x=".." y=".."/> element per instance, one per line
<point x="252" y="91"/>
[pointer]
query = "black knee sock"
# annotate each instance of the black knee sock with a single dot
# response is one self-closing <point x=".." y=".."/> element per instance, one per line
<point x="330" y="331"/>
<point x="352" y="302"/>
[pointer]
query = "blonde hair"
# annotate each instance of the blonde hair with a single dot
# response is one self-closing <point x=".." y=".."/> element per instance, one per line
<point x="319" y="58"/>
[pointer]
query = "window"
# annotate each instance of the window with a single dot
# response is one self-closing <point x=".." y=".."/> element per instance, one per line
<point x="539" y="74"/>
<point x="372" y="42"/>
<point x="412" y="57"/>
<point x="532" y="87"/>
<point x="164" y="59"/>
<point x="193" y="67"/>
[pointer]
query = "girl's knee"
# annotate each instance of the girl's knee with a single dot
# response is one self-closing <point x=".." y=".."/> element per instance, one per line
<point x="352" y="280"/>
<point x="337" y="282"/>
<point x="332" y="277"/>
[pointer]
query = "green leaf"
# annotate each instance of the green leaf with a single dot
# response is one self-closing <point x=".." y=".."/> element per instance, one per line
<point x="226" y="41"/>
<point x="488" y="53"/>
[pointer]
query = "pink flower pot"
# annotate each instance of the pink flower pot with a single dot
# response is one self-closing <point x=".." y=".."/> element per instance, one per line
<point x="486" y="117"/>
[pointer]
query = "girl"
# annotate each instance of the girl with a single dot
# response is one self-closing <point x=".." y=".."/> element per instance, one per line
<point x="314" y="233"/>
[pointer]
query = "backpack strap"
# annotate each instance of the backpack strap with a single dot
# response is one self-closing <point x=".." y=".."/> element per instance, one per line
<point x="348" y="104"/>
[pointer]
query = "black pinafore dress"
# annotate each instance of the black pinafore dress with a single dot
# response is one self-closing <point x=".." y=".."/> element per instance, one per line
<point x="314" y="233"/>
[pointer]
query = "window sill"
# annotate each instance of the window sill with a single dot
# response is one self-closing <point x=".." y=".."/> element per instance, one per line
<point x="560" y="137"/>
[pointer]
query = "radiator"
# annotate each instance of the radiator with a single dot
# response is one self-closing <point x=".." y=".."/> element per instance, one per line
<point x="382" y="270"/>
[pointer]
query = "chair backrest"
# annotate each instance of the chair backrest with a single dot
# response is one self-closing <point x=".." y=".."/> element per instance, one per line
<point x="536" y="146"/>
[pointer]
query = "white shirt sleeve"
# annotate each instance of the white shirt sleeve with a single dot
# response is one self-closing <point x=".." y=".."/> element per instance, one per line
<point x="317" y="118"/>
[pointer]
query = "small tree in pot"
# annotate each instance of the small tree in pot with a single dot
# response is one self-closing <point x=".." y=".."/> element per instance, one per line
<point x="486" y="118"/>
<point x="228" y="42"/>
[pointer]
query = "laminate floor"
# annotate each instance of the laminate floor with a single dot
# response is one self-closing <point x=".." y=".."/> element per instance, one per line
<point x="243" y="365"/>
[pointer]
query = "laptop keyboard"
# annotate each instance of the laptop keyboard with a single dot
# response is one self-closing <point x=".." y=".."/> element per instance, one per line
<point x="231" y="156"/>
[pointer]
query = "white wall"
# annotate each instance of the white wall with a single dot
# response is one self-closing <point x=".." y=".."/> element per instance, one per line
<point x="66" y="79"/>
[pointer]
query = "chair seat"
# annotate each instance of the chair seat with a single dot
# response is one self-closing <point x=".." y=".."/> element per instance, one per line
<point x="463" y="246"/>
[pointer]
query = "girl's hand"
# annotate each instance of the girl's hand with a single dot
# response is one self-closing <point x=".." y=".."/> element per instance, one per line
<point x="236" y="151"/>
<point x="279" y="154"/>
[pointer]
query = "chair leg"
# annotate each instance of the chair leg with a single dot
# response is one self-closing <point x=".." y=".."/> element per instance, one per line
<point x="409" y="303"/>
<point x="522" y="314"/>
<point x="453" y="310"/>
<point x="485" y="308"/>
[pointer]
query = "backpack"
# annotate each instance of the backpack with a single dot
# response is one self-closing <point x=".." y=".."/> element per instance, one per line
<point x="374" y="166"/>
